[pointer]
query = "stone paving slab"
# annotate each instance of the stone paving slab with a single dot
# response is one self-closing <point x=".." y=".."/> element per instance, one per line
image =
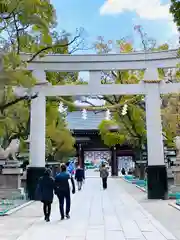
<point x="159" y="209"/>
<point x="112" y="214"/>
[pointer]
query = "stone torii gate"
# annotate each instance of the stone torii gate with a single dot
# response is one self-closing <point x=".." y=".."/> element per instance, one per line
<point x="151" y="87"/>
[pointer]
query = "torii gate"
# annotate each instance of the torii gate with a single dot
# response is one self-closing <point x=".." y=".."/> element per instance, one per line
<point x="151" y="87"/>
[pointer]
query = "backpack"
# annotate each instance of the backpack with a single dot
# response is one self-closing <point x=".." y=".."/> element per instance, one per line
<point x="104" y="173"/>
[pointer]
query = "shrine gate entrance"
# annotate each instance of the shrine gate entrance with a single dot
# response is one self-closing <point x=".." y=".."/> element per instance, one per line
<point x="151" y="87"/>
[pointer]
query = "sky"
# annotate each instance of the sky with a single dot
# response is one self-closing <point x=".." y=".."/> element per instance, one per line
<point x="115" y="19"/>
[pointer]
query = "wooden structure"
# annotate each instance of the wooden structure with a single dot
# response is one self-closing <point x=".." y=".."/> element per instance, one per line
<point x="88" y="139"/>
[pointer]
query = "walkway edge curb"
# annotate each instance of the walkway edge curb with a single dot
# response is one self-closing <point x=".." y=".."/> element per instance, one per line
<point x="141" y="188"/>
<point x="174" y="205"/>
<point x="17" y="208"/>
<point x="126" y="180"/>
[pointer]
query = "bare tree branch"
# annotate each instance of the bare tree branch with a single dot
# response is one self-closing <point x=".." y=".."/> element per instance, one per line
<point x="8" y="32"/>
<point x="23" y="28"/>
<point x="106" y="99"/>
<point x="52" y="46"/>
<point x="148" y="43"/>
<point x="89" y="103"/>
<point x="10" y="14"/>
<point x="114" y="74"/>
<point x="17" y="33"/>
<point x="80" y="49"/>
<point x="93" y="105"/>
<point x="9" y="104"/>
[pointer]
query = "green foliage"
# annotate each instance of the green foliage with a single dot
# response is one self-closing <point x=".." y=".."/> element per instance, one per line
<point x="110" y="138"/>
<point x="170" y="112"/>
<point x="58" y="137"/>
<point x="36" y="14"/>
<point x="171" y="116"/>
<point x="175" y="10"/>
<point x="132" y="125"/>
<point x="13" y="120"/>
<point x="28" y="26"/>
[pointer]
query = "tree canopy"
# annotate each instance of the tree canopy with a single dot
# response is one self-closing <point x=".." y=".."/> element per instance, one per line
<point x="175" y="10"/>
<point x="132" y="124"/>
<point x="28" y="26"/>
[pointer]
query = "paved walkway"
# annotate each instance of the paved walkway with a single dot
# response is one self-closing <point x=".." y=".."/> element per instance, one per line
<point x="96" y="214"/>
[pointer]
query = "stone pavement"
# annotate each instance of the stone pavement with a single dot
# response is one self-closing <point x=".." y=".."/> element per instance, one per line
<point x="96" y="214"/>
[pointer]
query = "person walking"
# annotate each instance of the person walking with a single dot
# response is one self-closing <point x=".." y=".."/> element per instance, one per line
<point x="62" y="190"/>
<point x="123" y="171"/>
<point x="45" y="191"/>
<point x="79" y="177"/>
<point x="104" y="175"/>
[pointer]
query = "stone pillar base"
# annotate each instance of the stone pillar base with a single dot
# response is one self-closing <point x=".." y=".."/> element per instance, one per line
<point x="157" y="182"/>
<point x="33" y="175"/>
<point x="176" y="187"/>
<point x="176" y="171"/>
<point x="10" y="178"/>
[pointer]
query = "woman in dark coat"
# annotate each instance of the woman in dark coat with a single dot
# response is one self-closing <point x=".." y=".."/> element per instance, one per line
<point x="46" y="192"/>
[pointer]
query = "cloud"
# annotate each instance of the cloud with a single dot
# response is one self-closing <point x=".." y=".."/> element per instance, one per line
<point x="147" y="9"/>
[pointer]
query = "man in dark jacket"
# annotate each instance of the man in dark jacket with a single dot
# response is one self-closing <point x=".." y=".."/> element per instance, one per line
<point x="79" y="176"/>
<point x="45" y="190"/>
<point x="63" y="190"/>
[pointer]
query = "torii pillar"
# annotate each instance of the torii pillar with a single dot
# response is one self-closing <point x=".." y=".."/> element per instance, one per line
<point x="156" y="171"/>
<point x="37" y="139"/>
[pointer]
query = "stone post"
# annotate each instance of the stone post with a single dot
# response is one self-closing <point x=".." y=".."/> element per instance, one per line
<point x="11" y="178"/>
<point x="114" y="164"/>
<point x="176" y="169"/>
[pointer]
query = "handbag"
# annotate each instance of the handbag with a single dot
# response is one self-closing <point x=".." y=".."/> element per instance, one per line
<point x="38" y="194"/>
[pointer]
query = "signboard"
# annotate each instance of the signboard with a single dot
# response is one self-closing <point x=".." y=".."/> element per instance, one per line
<point x="143" y="158"/>
<point x="141" y="161"/>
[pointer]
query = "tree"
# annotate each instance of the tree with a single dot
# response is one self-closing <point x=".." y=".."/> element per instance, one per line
<point x="28" y="26"/>
<point x="59" y="140"/>
<point x="111" y="138"/>
<point x="132" y="124"/>
<point x="175" y="10"/>
<point x="171" y="118"/>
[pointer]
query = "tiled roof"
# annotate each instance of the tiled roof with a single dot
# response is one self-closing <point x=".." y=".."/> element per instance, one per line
<point x="75" y="121"/>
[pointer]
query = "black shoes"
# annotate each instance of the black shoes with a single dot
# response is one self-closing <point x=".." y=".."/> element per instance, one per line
<point x="47" y="219"/>
<point x="67" y="216"/>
